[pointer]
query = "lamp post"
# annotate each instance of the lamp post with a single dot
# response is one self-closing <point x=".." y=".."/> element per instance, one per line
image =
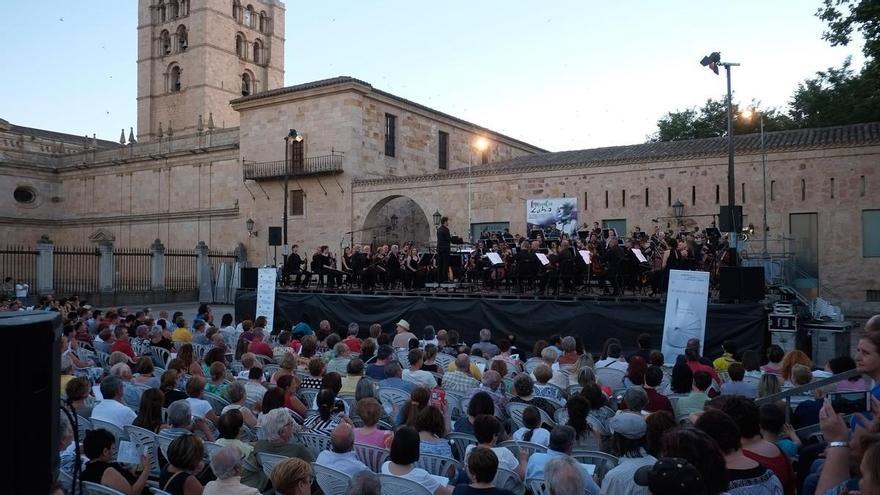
<point x="748" y="115"/>
<point x="436" y="217"/>
<point x="291" y="137"/>
<point x="480" y="144"/>
<point x="678" y="210"/>
<point x="712" y="61"/>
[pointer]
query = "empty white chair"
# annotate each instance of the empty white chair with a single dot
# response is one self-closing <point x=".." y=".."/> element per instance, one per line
<point x="395" y="485"/>
<point x="95" y="489"/>
<point x="393" y="396"/>
<point x="146" y="438"/>
<point x="509" y="480"/>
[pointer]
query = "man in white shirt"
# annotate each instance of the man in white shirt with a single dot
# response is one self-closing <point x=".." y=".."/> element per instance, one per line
<point x="254" y="386"/>
<point x="415" y="373"/>
<point x="614" y="360"/>
<point x="227" y="466"/>
<point x="341" y="455"/>
<point x="112" y="409"/>
<point x="628" y="444"/>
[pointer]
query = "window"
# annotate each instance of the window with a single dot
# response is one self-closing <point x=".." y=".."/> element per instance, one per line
<point x="249" y="17"/>
<point x="240" y="46"/>
<point x="668" y="196"/>
<point x="390" y="133"/>
<point x="174" y="79"/>
<point x="182" y="39"/>
<point x="772" y="190"/>
<point x="160" y="9"/>
<point x="862" y="187"/>
<point x="264" y="24"/>
<point x="871" y="233"/>
<point x="647" y="197"/>
<point x="164" y="43"/>
<point x="236" y="10"/>
<point x="484" y="156"/>
<point x="24" y="194"/>
<point x="297" y="203"/>
<point x="258" y="52"/>
<point x="586" y="203"/>
<point x="443" y="150"/>
<point x="623" y="198"/>
<point x="743" y="194"/>
<point x="693" y="195"/>
<point x="184" y="8"/>
<point x="246" y="84"/>
<point x="173" y="9"/>
<point x="803" y="190"/>
<point x="717" y="194"/>
<point x="832" y="188"/>
<point x="606" y="199"/>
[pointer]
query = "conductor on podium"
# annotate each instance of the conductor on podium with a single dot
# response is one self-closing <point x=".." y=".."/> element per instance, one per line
<point x="444" y="241"/>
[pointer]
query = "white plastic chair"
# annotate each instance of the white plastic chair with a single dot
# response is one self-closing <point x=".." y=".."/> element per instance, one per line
<point x="314" y="442"/>
<point x="393" y="396"/>
<point x="117" y="432"/>
<point x="330" y="480"/>
<point x="268" y="461"/>
<point x="460" y="442"/>
<point x="217" y="402"/>
<point x="561" y="416"/>
<point x="604" y="462"/>
<point x="444" y="360"/>
<point x="395" y="485"/>
<point x="161" y="356"/>
<point x="515" y="411"/>
<point x="610" y="377"/>
<point x="212" y="448"/>
<point x="438" y="465"/>
<point x="371" y="455"/>
<point x="509" y="480"/>
<point x="146" y="438"/>
<point x="95" y="489"/>
<point x="531" y="364"/>
<point x="537" y="486"/>
<point x="308" y="395"/>
<point x="516" y="446"/>
<point x="84" y="424"/>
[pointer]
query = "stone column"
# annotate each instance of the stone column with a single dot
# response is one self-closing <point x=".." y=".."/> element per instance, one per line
<point x="45" y="266"/>
<point x="105" y="266"/>
<point x="240" y="254"/>
<point x="157" y="266"/>
<point x="203" y="273"/>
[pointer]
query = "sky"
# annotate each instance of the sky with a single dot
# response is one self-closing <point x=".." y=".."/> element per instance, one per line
<point x="561" y="75"/>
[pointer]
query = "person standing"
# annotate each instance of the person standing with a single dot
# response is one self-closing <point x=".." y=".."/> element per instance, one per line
<point x="21" y="291"/>
<point x="444" y="243"/>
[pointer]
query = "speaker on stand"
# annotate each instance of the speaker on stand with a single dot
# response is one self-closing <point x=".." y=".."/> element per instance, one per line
<point x="743" y="283"/>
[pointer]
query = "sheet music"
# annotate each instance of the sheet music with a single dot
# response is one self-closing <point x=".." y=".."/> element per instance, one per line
<point x="639" y="255"/>
<point x="586" y="256"/>
<point x="542" y="258"/>
<point x="495" y="258"/>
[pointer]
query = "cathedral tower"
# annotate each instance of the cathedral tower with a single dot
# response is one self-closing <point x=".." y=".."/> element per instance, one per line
<point x="194" y="56"/>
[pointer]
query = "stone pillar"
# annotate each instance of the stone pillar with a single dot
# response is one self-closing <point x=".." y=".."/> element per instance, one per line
<point x="105" y="266"/>
<point x="157" y="265"/>
<point x="203" y="273"/>
<point x="45" y="266"/>
<point x="240" y="254"/>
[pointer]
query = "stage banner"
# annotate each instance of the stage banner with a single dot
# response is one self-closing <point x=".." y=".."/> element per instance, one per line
<point x="546" y="214"/>
<point x="686" y="303"/>
<point x="266" y="296"/>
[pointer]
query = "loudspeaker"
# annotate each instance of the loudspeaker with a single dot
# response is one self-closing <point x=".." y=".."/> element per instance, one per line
<point x="249" y="277"/>
<point x="730" y="220"/>
<point x="745" y="283"/>
<point x="275" y="236"/>
<point x="33" y="379"/>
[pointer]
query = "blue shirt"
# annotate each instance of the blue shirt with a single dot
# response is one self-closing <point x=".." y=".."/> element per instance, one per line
<point x="398" y="383"/>
<point x="537" y="461"/>
<point x="376" y="371"/>
<point x="747" y="390"/>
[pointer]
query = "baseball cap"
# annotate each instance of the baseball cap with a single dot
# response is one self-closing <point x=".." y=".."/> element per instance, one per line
<point x="671" y="476"/>
<point x="629" y="425"/>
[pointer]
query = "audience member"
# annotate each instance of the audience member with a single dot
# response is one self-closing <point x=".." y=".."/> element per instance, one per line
<point x="564" y="476"/>
<point x="485" y="345"/>
<point x="703" y="452"/>
<point x="460" y="380"/>
<point x="376" y="370"/>
<point x="561" y="445"/>
<point x="696" y="399"/>
<point x="486" y="429"/>
<point x="98" y="447"/>
<point x="628" y="444"/>
<point x="656" y="400"/>
<point x="736" y="385"/>
<point x="292" y="477"/>
<point x="364" y="483"/>
<point x="112" y="409"/>
<point x="185" y="454"/>
<point x="532" y="430"/>
<point x="728" y="356"/>
<point x="402" y="336"/>
<point x="415" y="373"/>
<point x="341" y="455"/>
<point x="226" y="464"/>
<point x="403" y="454"/>
<point x="523" y="388"/>
<point x="482" y="466"/>
<point x="671" y="476"/>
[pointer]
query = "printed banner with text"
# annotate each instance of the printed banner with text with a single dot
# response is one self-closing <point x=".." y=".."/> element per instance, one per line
<point x="686" y="303"/>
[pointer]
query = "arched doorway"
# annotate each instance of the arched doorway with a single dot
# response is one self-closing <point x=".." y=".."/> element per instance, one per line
<point x="396" y="220"/>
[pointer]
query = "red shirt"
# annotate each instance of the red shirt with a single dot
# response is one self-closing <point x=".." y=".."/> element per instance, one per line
<point x="781" y="467"/>
<point x="696" y="366"/>
<point x="123" y="347"/>
<point x="657" y="401"/>
<point x="353" y="343"/>
<point x="260" y="347"/>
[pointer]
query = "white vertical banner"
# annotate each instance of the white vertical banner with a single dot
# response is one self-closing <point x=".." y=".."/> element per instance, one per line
<point x="266" y="295"/>
<point x="686" y="304"/>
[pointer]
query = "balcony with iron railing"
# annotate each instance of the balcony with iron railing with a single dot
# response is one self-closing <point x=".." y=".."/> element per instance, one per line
<point x="313" y="166"/>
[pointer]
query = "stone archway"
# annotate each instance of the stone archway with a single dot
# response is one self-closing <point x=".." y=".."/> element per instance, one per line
<point x="412" y="222"/>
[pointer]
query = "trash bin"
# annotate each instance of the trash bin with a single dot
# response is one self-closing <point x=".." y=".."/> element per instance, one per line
<point x="830" y="339"/>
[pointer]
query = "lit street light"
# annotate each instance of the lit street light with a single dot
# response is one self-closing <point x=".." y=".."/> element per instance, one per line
<point x="748" y="114"/>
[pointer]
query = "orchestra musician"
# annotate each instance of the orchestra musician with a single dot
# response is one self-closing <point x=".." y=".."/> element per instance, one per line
<point x="295" y="267"/>
<point x="392" y="267"/>
<point x="444" y="247"/>
<point x="346" y="265"/>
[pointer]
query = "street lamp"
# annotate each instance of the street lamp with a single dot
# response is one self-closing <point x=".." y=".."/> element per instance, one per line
<point x="249" y="225"/>
<point x="481" y="144"/>
<point x="393" y="219"/>
<point x="291" y="137"/>
<point x="436" y="216"/>
<point x="678" y="210"/>
<point x="712" y="61"/>
<point x="748" y="114"/>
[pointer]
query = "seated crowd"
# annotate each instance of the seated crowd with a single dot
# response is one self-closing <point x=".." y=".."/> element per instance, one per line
<point x="233" y="408"/>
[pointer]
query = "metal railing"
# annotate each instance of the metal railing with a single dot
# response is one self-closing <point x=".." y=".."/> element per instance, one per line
<point x="180" y="269"/>
<point x="131" y="269"/>
<point x="315" y="165"/>
<point x="76" y="270"/>
<point x="20" y="263"/>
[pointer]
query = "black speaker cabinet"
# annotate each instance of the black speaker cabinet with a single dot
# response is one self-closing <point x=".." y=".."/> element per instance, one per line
<point x="33" y="383"/>
<point x="730" y="220"/>
<point x="249" y="278"/>
<point x="745" y="283"/>
<point x="274" y="236"/>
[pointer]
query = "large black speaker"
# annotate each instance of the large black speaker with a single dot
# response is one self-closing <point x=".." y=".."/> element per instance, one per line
<point x="274" y="236"/>
<point x="33" y="382"/>
<point x="730" y="220"/>
<point x="249" y="277"/>
<point x="745" y="283"/>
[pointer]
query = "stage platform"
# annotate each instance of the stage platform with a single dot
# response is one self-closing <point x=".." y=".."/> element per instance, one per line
<point x="528" y="317"/>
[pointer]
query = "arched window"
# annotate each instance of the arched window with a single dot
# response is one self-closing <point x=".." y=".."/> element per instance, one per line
<point x="247" y="83"/>
<point x="240" y="46"/>
<point x="249" y="16"/>
<point x="160" y="8"/>
<point x="236" y="10"/>
<point x="182" y="38"/>
<point x="164" y="43"/>
<point x="258" y="52"/>
<point x="264" y="24"/>
<point x="184" y="8"/>
<point x="173" y="9"/>
<point x="174" y="79"/>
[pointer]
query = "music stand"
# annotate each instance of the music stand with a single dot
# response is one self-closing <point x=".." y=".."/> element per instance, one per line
<point x="712" y="232"/>
<point x="533" y="234"/>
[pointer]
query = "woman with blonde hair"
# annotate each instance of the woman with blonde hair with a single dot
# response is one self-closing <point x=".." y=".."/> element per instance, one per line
<point x="288" y="364"/>
<point x="292" y="477"/>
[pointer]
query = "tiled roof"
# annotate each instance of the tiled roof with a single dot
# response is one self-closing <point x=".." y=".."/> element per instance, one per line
<point x="336" y="81"/>
<point x="61" y="136"/>
<point x="779" y="141"/>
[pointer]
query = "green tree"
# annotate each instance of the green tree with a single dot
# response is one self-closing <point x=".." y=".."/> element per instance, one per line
<point x="710" y="120"/>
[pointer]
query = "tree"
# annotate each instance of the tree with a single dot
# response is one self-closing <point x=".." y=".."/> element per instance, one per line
<point x="711" y="121"/>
